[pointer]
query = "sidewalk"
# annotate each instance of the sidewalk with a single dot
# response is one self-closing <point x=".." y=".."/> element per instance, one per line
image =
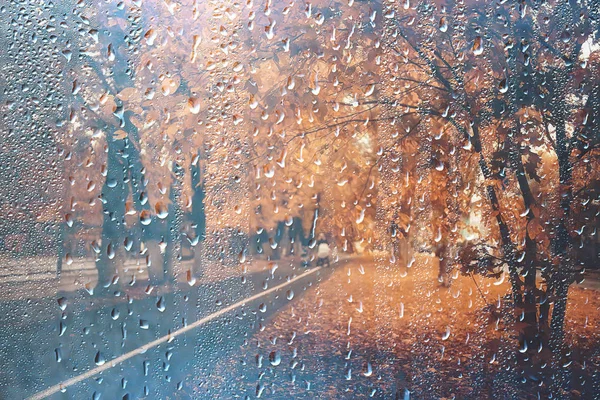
<point x="36" y="278"/>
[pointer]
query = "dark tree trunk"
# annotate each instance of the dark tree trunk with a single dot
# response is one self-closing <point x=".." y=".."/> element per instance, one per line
<point x="508" y="246"/>
<point x="123" y="171"/>
<point x="114" y="193"/>
<point x="529" y="267"/>
<point x="563" y="277"/>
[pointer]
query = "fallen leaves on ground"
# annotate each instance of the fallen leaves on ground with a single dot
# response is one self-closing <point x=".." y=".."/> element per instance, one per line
<point x="384" y="332"/>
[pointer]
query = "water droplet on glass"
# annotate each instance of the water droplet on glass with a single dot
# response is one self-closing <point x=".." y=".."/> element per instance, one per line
<point x="478" y="46"/>
<point x="275" y="358"/>
<point x="160" y="304"/>
<point x="443" y="24"/>
<point x="145" y="217"/>
<point x="162" y="211"/>
<point x="99" y="359"/>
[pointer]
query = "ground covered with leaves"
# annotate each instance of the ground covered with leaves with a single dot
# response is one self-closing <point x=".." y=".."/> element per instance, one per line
<point x="370" y="329"/>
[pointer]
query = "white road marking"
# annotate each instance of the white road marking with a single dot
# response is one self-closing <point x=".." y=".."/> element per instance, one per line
<point x="142" y="349"/>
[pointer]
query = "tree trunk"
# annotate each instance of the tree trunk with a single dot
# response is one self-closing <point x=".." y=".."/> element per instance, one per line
<point x="114" y="193"/>
<point x="563" y="277"/>
<point x="529" y="267"/>
<point x="508" y="246"/>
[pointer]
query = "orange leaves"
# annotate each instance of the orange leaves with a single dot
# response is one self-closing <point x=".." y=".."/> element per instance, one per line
<point x="107" y="104"/>
<point x="169" y="85"/>
<point x="129" y="94"/>
<point x="534" y="228"/>
<point x="120" y="134"/>
<point x="267" y="74"/>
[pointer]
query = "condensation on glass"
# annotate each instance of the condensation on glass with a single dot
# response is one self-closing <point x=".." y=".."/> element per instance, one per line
<point x="326" y="199"/>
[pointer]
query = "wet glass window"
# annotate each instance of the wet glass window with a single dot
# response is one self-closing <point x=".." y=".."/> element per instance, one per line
<point x="299" y="199"/>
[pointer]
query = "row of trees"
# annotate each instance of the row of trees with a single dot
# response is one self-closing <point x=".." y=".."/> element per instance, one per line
<point x="472" y="125"/>
<point x="162" y="115"/>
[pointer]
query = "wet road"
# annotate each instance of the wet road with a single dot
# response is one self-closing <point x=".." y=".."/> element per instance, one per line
<point x="42" y="346"/>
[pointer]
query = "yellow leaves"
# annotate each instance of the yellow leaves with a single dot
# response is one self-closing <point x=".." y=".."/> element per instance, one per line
<point x="107" y="103"/>
<point x="136" y="121"/>
<point x="132" y="97"/>
<point x="120" y="134"/>
<point x="46" y="212"/>
<point x="495" y="183"/>
<point x="357" y="56"/>
<point x="129" y="94"/>
<point x="267" y="74"/>
<point x="322" y="68"/>
<point x="151" y="119"/>
<point x="534" y="229"/>
<point x="172" y="130"/>
<point x="403" y="220"/>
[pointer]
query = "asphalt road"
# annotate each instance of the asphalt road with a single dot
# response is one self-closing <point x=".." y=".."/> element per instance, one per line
<point x="43" y="346"/>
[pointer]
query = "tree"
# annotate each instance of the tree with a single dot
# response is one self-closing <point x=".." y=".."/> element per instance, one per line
<point x="480" y="78"/>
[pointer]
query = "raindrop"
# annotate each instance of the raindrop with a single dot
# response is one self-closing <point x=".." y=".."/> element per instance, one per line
<point x="190" y="278"/>
<point x="503" y="87"/>
<point x="443" y="24"/>
<point x="99" y="359"/>
<point x="259" y="389"/>
<point x="478" y="46"/>
<point x="150" y="36"/>
<point x="446" y="334"/>
<point x="194" y="105"/>
<point x="62" y="303"/>
<point x="62" y="327"/>
<point x="145" y="217"/>
<point x="369" y="370"/>
<point x="162" y="211"/>
<point x="160" y="304"/>
<point x="524" y="348"/>
<point x="275" y="358"/>
<point x="110" y="251"/>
